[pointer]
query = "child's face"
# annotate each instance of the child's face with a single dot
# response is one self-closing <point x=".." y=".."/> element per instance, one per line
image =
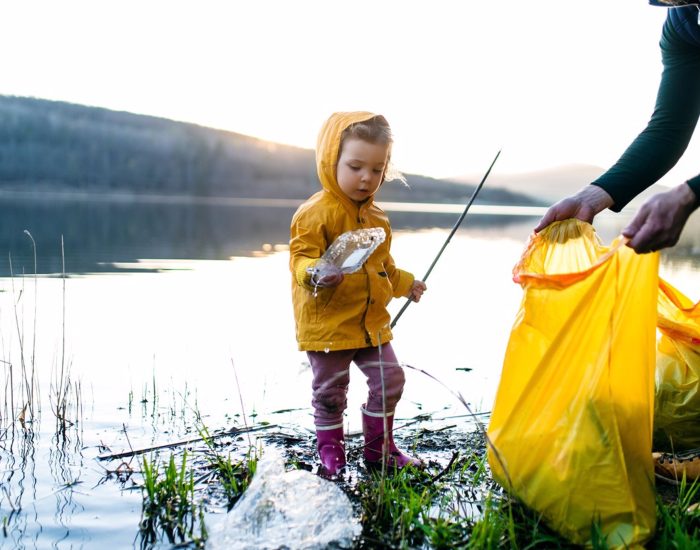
<point x="360" y="168"/>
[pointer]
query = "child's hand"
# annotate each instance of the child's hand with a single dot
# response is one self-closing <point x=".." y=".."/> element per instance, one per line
<point x="417" y="291"/>
<point x="326" y="275"/>
<point x="331" y="279"/>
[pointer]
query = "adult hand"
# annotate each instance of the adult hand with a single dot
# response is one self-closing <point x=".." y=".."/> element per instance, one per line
<point x="660" y="220"/>
<point x="584" y="205"/>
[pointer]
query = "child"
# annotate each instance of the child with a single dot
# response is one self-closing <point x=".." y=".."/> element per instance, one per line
<point x="343" y="318"/>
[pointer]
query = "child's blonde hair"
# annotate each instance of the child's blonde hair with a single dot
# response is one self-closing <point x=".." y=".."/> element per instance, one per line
<point x="374" y="130"/>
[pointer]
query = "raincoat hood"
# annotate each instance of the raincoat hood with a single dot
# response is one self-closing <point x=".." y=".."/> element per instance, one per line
<point x="353" y="314"/>
<point x="328" y="148"/>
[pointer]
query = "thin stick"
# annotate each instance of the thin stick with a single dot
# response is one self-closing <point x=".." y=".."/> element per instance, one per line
<point x="232" y="431"/>
<point x="449" y="237"/>
<point x="240" y="397"/>
<point x="20" y="337"/>
<point x="455" y="454"/>
<point x="478" y="422"/>
<point x="61" y="391"/>
<point x="33" y="382"/>
<point x="12" y="381"/>
<point x="385" y="421"/>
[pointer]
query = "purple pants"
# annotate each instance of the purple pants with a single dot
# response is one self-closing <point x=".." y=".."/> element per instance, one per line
<point x="331" y="372"/>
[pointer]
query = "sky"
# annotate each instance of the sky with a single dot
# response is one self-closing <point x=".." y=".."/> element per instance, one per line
<point x="548" y="82"/>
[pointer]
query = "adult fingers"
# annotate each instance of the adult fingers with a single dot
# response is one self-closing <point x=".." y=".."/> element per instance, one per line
<point x="637" y="222"/>
<point x="548" y="218"/>
<point x="571" y="207"/>
<point x="646" y="239"/>
<point x="649" y="231"/>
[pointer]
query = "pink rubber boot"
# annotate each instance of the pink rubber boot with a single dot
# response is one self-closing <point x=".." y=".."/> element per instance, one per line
<point x="373" y="429"/>
<point x="331" y="448"/>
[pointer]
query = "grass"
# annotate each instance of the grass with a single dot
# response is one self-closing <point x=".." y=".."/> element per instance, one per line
<point x="175" y="492"/>
<point x="233" y="476"/>
<point x="169" y="507"/>
<point x="461" y="507"/>
<point x="452" y="503"/>
<point x="456" y="507"/>
<point x="678" y="528"/>
<point x="22" y="399"/>
<point x="393" y="507"/>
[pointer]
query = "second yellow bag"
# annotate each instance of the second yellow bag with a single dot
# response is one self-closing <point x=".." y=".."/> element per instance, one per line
<point x="677" y="405"/>
<point x="570" y="430"/>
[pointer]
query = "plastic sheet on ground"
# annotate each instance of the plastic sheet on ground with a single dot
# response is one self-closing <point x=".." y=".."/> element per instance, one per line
<point x="293" y="510"/>
<point x="571" y="424"/>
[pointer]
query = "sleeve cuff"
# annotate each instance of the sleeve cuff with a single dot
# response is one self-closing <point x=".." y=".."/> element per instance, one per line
<point x="404" y="283"/>
<point x="302" y="276"/>
<point x="694" y="184"/>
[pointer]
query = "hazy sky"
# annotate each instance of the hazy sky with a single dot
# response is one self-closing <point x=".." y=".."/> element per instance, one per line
<point x="549" y="81"/>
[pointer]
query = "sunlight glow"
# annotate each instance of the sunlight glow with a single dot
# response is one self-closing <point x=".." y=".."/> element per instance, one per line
<point x="551" y="82"/>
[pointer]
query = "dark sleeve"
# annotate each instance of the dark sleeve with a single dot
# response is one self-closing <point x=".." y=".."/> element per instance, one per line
<point x="694" y="184"/>
<point x="657" y="149"/>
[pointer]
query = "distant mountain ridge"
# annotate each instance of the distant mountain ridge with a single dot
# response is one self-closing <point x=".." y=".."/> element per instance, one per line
<point x="52" y="145"/>
<point x="550" y="184"/>
<point x="555" y="183"/>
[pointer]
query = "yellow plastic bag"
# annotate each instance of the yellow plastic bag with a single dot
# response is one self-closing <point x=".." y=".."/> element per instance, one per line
<point x="677" y="403"/>
<point x="570" y="431"/>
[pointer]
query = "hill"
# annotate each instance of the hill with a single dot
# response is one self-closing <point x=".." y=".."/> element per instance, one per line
<point x="62" y="146"/>
<point x="549" y="184"/>
<point x="552" y="184"/>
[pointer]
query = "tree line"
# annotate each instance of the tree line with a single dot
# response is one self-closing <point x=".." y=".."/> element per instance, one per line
<point x="62" y="146"/>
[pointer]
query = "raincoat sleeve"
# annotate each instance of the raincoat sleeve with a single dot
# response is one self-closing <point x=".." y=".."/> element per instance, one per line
<point x="401" y="281"/>
<point x="306" y="245"/>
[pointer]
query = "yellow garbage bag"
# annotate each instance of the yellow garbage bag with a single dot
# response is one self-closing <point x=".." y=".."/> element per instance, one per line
<point x="677" y="403"/>
<point x="570" y="431"/>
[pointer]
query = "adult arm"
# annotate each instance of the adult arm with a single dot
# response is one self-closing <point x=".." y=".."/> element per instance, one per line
<point x="657" y="149"/>
<point x="662" y="143"/>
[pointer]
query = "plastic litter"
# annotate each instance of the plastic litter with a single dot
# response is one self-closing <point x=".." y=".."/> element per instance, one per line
<point x="677" y="399"/>
<point x="348" y="252"/>
<point x="291" y="510"/>
<point x="571" y="424"/>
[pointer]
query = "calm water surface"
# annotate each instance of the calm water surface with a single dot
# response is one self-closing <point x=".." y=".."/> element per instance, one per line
<point x="163" y="307"/>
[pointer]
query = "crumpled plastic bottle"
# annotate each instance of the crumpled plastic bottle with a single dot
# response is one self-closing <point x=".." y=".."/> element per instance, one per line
<point x="283" y="509"/>
<point x="348" y="252"/>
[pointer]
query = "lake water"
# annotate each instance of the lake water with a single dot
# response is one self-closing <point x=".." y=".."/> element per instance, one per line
<point x="186" y="307"/>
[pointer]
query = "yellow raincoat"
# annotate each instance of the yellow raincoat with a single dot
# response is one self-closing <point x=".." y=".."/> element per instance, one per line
<point x="352" y="314"/>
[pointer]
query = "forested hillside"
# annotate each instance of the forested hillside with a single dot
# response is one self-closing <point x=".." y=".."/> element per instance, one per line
<point x="61" y="146"/>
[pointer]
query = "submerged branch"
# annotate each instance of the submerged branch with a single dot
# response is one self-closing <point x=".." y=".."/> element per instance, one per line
<point x="232" y="431"/>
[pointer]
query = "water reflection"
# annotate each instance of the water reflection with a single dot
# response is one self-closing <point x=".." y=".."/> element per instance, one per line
<point x="111" y="235"/>
<point x="100" y="234"/>
<point x="19" y="484"/>
<point x="96" y="234"/>
<point x="66" y="463"/>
